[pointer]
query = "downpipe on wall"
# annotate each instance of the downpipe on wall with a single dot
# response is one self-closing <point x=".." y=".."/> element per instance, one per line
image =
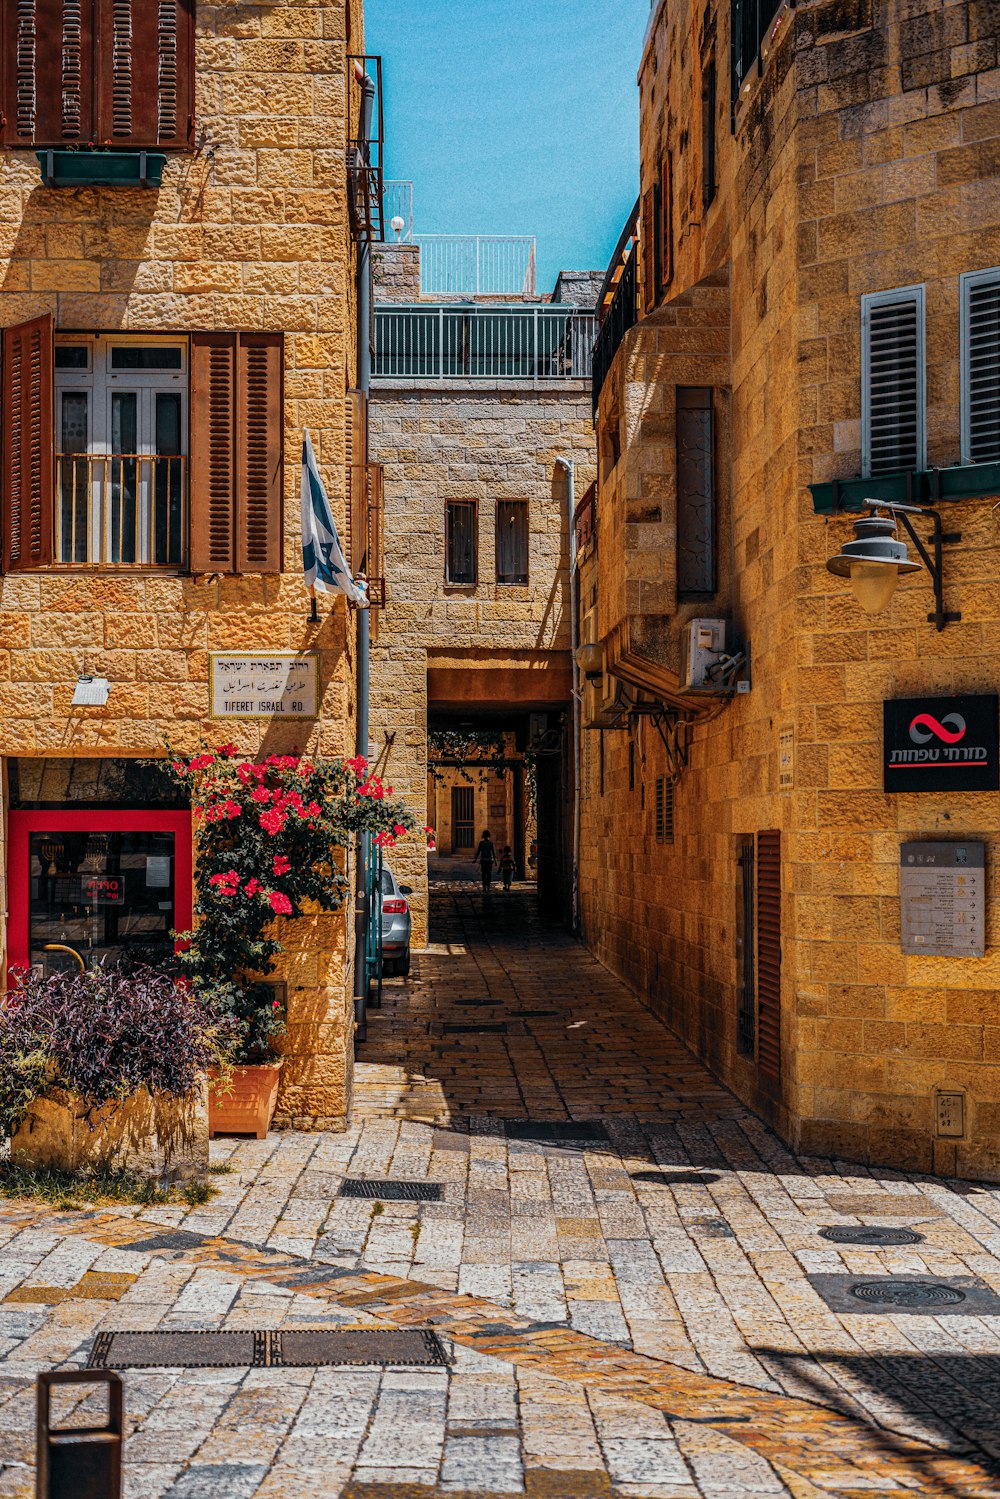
<point x="574" y="632"/>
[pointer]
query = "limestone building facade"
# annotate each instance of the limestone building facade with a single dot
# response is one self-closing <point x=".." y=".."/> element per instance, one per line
<point x="474" y="404"/>
<point x="165" y="343"/>
<point x="802" y="316"/>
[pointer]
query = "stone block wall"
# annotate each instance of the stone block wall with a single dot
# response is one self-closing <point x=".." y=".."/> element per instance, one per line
<point x="250" y="232"/>
<point x="864" y="158"/>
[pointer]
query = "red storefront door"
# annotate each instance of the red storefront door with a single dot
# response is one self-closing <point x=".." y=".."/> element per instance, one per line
<point x="92" y="886"/>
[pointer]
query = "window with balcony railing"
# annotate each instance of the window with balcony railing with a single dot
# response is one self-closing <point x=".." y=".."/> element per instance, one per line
<point x="483" y="343"/>
<point x="748" y="26"/>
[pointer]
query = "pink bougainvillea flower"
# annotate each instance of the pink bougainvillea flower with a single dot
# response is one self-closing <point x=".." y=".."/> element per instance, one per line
<point x="229" y="750"/>
<point x="272" y="821"/>
<point x="275" y="1004"/>
<point x="250" y="888"/>
<point x="260" y="794"/>
<point x="280" y="904"/>
<point x="399" y="830"/>
<point x="280" y="865"/>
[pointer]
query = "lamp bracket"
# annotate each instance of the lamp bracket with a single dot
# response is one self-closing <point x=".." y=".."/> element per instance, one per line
<point x="933" y="560"/>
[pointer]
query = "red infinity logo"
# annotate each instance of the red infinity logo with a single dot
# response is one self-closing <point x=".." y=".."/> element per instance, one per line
<point x="938" y="729"/>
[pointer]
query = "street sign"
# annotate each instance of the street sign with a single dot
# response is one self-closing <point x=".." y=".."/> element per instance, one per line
<point x="942" y="888"/>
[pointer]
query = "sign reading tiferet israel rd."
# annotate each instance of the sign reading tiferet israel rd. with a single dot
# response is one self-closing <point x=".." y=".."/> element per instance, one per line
<point x="942" y="744"/>
<point x="283" y="684"/>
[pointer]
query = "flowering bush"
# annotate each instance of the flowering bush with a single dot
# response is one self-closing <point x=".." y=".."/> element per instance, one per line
<point x="267" y="835"/>
<point x="102" y="1035"/>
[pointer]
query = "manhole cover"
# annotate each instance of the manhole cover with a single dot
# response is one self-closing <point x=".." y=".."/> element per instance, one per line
<point x="304" y="1348"/>
<point x="384" y="1191"/>
<point x="847" y="1233"/>
<point x="557" y="1131"/>
<point x="535" y="1014"/>
<point x="494" y="1028"/>
<point x="178" y="1350"/>
<point x="908" y="1293"/>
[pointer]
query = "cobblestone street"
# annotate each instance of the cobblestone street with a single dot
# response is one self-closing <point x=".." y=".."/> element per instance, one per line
<point x="652" y="1313"/>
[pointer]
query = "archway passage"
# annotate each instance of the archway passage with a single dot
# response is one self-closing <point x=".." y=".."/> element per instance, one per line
<point x="500" y="758"/>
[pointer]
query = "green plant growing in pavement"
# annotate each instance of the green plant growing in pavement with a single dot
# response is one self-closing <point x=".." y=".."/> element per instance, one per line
<point x="73" y="1191"/>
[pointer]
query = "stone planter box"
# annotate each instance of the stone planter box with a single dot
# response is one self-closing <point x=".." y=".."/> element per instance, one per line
<point x="248" y="1108"/>
<point x="165" y="1139"/>
<point x="101" y="168"/>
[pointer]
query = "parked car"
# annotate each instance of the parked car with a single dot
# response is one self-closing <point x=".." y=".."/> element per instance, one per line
<point x="397" y="924"/>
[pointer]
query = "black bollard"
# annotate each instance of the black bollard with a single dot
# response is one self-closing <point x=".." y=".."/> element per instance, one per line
<point x="79" y="1462"/>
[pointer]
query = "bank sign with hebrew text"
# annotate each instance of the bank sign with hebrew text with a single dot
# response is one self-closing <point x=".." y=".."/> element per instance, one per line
<point x="284" y="684"/>
<point x="942" y="744"/>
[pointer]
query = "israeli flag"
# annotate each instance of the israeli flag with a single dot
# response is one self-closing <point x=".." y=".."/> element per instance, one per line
<point x="322" y="555"/>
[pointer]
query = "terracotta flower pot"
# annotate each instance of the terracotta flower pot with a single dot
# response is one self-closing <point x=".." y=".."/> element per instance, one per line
<point x="248" y="1107"/>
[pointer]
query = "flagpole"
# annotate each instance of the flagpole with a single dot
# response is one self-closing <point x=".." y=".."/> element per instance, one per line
<point x="313" y="610"/>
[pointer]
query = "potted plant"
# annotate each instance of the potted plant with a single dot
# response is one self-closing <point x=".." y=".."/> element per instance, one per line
<point x="106" y="1069"/>
<point x="269" y="841"/>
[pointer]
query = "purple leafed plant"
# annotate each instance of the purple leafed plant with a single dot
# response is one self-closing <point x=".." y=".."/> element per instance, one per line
<point x="103" y="1035"/>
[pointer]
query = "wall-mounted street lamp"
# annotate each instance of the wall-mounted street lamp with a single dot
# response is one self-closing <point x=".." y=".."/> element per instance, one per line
<point x="876" y="558"/>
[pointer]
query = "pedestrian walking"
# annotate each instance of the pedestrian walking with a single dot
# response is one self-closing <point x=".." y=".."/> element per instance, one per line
<point x="507" y="867"/>
<point x="486" y="856"/>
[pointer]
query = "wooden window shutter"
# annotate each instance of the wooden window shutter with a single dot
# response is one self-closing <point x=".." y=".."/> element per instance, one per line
<point x="649" y="250"/>
<point x="769" y="955"/>
<point x="667" y="220"/>
<point x="213" y="453"/>
<point x="27" y="445"/>
<point x="357" y="479"/>
<point x="259" y="452"/>
<point x="146" y="84"/>
<point x="46" y="90"/>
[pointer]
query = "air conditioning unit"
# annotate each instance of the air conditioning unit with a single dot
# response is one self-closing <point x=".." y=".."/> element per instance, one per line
<point x="607" y="702"/>
<point x="704" y="650"/>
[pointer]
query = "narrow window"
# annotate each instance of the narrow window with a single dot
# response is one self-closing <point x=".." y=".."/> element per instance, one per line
<point x="463" y="812"/>
<point x="695" y="494"/>
<point x="981" y="366"/>
<point x="631" y="765"/>
<point x="461" y="520"/>
<point x="893" y="381"/>
<point x="664" y="809"/>
<point x="708" y="112"/>
<point x="600" y="761"/>
<point x="667" y="220"/>
<point x="746" y="965"/>
<point x="769" y="955"/>
<point x="512" y="541"/>
<point x="647" y="249"/>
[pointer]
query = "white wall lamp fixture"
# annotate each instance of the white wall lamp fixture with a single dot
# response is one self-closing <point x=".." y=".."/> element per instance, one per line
<point x="91" y="692"/>
<point x="875" y="560"/>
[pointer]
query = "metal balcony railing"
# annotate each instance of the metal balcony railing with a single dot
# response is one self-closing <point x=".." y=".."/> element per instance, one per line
<point x="365" y="178"/>
<point x="397" y="201"/>
<point x="120" y="509"/>
<point x="618" y="305"/>
<point x="477" y="265"/>
<point x="483" y="343"/>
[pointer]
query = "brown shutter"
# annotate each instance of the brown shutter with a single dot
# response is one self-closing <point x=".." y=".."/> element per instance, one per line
<point x="259" y="451"/>
<point x="357" y="480"/>
<point x="48" y="67"/>
<point x="667" y="220"/>
<point x="146" y="84"/>
<point x="27" y="462"/>
<point x="648" y="252"/>
<point x="769" y="954"/>
<point x="213" y="452"/>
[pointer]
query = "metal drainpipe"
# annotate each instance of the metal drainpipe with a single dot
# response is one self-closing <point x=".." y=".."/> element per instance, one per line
<point x="364" y="301"/>
<point x="574" y="632"/>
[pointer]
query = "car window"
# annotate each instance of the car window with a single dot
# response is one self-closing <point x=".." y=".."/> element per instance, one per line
<point x="387" y="885"/>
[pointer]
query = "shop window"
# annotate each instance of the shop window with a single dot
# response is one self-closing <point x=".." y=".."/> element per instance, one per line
<point x="142" y="450"/>
<point x="981" y="366"/>
<point x="461" y="542"/>
<point x="116" y="71"/>
<point x="695" y="494"/>
<point x="512" y="541"/>
<point x="893" y="380"/>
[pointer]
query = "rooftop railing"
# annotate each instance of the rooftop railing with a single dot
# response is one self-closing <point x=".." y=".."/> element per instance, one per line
<point x="397" y="198"/>
<point x="483" y="343"/>
<point x="477" y="265"/>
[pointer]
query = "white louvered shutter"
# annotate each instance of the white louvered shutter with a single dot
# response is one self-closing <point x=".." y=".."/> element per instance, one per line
<point x="981" y="366"/>
<point x="893" y="381"/>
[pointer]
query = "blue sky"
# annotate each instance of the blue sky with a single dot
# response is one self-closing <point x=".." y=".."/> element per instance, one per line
<point x="515" y="117"/>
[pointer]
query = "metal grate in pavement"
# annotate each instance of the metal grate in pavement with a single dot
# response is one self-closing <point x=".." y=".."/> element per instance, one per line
<point x="556" y="1131"/>
<point x="291" y="1348"/>
<point x="386" y="1191"/>
<point x="534" y="1014"/>
<point x="873" y="1237"/>
<point x="178" y="1350"/>
<point x="959" y="1295"/>
<point x="304" y="1348"/>
<point x="493" y="1028"/>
